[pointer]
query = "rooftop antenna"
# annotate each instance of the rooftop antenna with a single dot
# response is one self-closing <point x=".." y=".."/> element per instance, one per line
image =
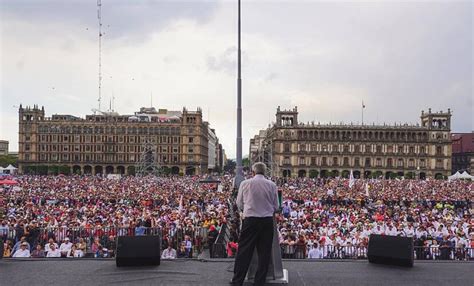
<point x="113" y="101"/>
<point x="99" y="16"/>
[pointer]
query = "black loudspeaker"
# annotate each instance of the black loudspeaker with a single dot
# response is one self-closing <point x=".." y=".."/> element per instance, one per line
<point x="391" y="250"/>
<point x="138" y="251"/>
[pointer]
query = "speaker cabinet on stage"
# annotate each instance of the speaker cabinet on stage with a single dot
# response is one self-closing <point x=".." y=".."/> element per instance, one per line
<point x="138" y="250"/>
<point x="391" y="250"/>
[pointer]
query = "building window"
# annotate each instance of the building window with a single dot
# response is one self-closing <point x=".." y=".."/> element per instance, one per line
<point x="286" y="147"/>
<point x="379" y="149"/>
<point x="313" y="161"/>
<point x="286" y="161"/>
<point x="378" y="162"/>
<point x="27" y="147"/>
<point x="346" y="161"/>
<point x="357" y="161"/>
<point x="411" y="163"/>
<point x="400" y="162"/>
<point x="302" y="147"/>
<point x="439" y="150"/>
<point x="191" y="139"/>
<point x="389" y="162"/>
<point x="324" y="161"/>
<point x="367" y="162"/>
<point x="422" y="163"/>
<point x="302" y="161"/>
<point x="439" y="164"/>
<point x="334" y="161"/>
<point x="411" y="150"/>
<point x="422" y="150"/>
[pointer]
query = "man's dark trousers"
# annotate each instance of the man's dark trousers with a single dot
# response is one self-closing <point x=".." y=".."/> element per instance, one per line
<point x="256" y="232"/>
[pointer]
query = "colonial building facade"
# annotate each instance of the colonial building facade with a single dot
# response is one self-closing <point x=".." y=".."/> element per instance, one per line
<point x="463" y="152"/>
<point x="294" y="149"/>
<point x="107" y="142"/>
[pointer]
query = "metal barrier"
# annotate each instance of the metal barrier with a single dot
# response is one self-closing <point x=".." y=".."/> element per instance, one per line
<point x="300" y="251"/>
<point x="91" y="238"/>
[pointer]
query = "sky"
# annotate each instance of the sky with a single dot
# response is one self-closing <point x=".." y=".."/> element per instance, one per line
<point x="325" y="57"/>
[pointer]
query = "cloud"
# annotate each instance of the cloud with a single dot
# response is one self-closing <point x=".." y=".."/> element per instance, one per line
<point x="324" y="57"/>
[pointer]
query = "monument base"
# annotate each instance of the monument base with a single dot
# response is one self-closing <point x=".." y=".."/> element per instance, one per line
<point x="281" y="280"/>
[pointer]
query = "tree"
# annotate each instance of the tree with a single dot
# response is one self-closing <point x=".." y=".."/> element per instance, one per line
<point x="246" y="162"/>
<point x="313" y="173"/>
<point x="230" y="166"/>
<point x="6" y="160"/>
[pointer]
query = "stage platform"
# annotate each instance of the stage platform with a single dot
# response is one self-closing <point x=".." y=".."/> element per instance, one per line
<point x="218" y="272"/>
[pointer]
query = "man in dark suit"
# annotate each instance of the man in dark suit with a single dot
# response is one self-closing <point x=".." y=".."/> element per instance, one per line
<point x="258" y="199"/>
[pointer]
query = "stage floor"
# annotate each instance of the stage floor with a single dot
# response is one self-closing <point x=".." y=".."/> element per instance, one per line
<point x="218" y="272"/>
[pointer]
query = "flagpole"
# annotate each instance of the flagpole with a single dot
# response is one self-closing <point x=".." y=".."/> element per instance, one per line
<point x="239" y="175"/>
<point x="363" y="112"/>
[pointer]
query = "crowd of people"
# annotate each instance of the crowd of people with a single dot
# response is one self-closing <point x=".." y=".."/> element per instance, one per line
<point x="97" y="209"/>
<point x="76" y="216"/>
<point x="334" y="218"/>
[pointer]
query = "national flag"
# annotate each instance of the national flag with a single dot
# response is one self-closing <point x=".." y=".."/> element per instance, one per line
<point x="367" y="190"/>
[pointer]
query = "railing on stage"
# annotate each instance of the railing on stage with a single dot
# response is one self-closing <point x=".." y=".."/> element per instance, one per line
<point x="355" y="252"/>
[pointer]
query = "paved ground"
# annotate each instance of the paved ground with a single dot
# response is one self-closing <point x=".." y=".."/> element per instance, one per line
<point x="194" y="272"/>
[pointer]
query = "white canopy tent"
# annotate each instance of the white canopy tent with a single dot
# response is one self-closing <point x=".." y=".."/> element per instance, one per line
<point x="458" y="176"/>
<point x="454" y="176"/>
<point x="465" y="175"/>
<point x="10" y="169"/>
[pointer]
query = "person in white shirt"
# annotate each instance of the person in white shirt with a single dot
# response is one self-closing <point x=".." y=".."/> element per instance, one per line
<point x="258" y="199"/>
<point x="169" y="253"/>
<point x="50" y="241"/>
<point x="315" y="252"/>
<point x="23" y="251"/>
<point x="65" y="247"/>
<point x="53" y="251"/>
<point x="74" y="252"/>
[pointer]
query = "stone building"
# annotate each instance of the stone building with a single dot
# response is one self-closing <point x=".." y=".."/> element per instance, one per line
<point x="107" y="142"/>
<point x="3" y="147"/>
<point x="294" y="149"/>
<point x="463" y="152"/>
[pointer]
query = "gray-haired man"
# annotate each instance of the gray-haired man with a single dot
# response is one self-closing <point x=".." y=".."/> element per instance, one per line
<point x="258" y="198"/>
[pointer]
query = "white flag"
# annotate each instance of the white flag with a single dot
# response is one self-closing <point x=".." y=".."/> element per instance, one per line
<point x="351" y="180"/>
<point x="366" y="190"/>
<point x="180" y="204"/>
